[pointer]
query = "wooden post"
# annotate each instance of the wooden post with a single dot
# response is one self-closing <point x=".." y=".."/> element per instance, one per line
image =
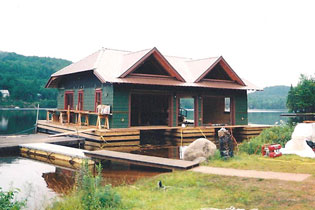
<point x="106" y="122"/>
<point x="76" y="116"/>
<point x="37" y="118"/>
<point x="61" y="118"/>
<point x="86" y="120"/>
<point x="68" y="114"/>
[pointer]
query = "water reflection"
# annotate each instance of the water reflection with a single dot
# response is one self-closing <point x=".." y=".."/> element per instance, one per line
<point x="15" y="121"/>
<point x="4" y="123"/>
<point x="61" y="181"/>
<point x="41" y="183"/>
<point x="173" y="152"/>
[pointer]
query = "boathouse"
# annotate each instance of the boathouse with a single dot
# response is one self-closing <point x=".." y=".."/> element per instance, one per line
<point x="146" y="88"/>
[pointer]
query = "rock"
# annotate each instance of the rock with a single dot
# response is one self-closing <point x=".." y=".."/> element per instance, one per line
<point x="200" y="159"/>
<point x="199" y="148"/>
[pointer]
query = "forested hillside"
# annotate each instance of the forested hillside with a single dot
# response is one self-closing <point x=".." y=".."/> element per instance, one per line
<point x="25" y="78"/>
<point x="274" y="97"/>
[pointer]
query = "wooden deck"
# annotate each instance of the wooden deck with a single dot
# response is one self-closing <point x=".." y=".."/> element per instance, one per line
<point x="143" y="160"/>
<point x="131" y="138"/>
<point x="10" y="144"/>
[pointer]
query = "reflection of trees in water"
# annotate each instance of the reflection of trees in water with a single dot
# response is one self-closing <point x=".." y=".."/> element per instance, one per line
<point x="267" y="118"/>
<point x="3" y="123"/>
<point x="18" y="120"/>
<point x="7" y="160"/>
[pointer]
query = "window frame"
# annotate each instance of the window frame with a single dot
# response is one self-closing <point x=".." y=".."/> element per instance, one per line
<point x="81" y="92"/>
<point x="97" y="91"/>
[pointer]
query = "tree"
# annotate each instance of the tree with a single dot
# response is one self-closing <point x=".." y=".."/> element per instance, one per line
<point x="302" y="97"/>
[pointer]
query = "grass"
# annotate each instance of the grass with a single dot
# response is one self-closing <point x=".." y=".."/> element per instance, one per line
<point x="285" y="163"/>
<point x="191" y="190"/>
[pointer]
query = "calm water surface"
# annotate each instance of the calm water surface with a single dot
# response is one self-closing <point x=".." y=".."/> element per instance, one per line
<point x="16" y="121"/>
<point x="41" y="183"/>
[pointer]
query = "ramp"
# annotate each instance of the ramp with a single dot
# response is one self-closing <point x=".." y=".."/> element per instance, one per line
<point x="144" y="160"/>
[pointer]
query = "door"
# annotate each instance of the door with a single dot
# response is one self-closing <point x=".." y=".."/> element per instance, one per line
<point x="68" y="99"/>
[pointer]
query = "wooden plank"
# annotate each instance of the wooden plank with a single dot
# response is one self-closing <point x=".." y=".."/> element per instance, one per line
<point x="195" y="130"/>
<point x="189" y="134"/>
<point x="247" y="132"/>
<point x="105" y="144"/>
<point x="256" y="128"/>
<point x="115" y="138"/>
<point x="72" y="132"/>
<point x="142" y="160"/>
<point x="117" y="133"/>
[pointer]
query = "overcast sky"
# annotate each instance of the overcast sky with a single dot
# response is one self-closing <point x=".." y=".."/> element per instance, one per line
<point x="265" y="42"/>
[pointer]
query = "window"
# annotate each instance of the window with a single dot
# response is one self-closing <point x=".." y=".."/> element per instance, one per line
<point x="68" y="99"/>
<point x="227" y="102"/>
<point x="98" y="98"/>
<point x="80" y="100"/>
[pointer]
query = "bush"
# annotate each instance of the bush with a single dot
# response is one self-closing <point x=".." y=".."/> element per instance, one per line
<point x="7" y="201"/>
<point x="275" y="135"/>
<point x="89" y="194"/>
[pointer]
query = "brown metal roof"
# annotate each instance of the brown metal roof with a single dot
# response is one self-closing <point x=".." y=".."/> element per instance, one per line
<point x="115" y="66"/>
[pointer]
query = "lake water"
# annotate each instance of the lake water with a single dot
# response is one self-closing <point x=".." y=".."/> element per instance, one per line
<point x="41" y="183"/>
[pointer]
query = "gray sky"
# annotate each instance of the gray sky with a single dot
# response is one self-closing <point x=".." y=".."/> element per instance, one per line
<point x="265" y="42"/>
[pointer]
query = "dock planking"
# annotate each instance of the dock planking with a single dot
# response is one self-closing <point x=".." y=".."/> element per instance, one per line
<point x="144" y="160"/>
<point x="10" y="144"/>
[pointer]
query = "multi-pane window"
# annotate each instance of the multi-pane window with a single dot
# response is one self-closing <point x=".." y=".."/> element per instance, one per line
<point x="80" y="100"/>
<point x="98" y="98"/>
<point x="68" y="99"/>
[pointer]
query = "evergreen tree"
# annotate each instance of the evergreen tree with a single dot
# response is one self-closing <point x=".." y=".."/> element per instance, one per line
<point x="302" y="97"/>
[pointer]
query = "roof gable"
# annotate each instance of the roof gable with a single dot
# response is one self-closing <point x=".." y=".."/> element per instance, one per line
<point x="154" y="59"/>
<point x="221" y="71"/>
<point x="151" y="67"/>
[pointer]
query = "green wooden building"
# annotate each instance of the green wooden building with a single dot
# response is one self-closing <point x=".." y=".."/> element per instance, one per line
<point x="146" y="88"/>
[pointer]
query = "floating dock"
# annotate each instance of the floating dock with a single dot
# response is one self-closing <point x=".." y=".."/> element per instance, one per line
<point x="9" y="145"/>
<point x="143" y="160"/>
<point x="56" y="154"/>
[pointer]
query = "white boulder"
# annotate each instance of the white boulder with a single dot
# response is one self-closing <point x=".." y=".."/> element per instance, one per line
<point x="200" y="150"/>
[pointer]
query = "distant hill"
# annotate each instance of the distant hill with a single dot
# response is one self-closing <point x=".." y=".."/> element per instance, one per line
<point x="25" y="78"/>
<point x="274" y="97"/>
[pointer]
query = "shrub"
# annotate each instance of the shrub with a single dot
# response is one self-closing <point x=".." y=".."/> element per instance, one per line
<point x="7" y="201"/>
<point x="89" y="194"/>
<point x="275" y="135"/>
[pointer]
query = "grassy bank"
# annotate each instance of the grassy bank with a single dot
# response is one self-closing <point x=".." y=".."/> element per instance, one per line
<point x="285" y="163"/>
<point x="190" y="190"/>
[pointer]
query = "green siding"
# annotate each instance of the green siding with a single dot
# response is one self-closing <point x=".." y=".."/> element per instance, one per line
<point x="199" y="111"/>
<point x="117" y="96"/>
<point x="174" y="111"/>
<point x="241" y="116"/>
<point x="88" y="83"/>
<point x="120" y="118"/>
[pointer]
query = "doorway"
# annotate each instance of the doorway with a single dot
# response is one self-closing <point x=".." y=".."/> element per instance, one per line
<point x="68" y="99"/>
<point x="186" y="111"/>
<point x="150" y="110"/>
